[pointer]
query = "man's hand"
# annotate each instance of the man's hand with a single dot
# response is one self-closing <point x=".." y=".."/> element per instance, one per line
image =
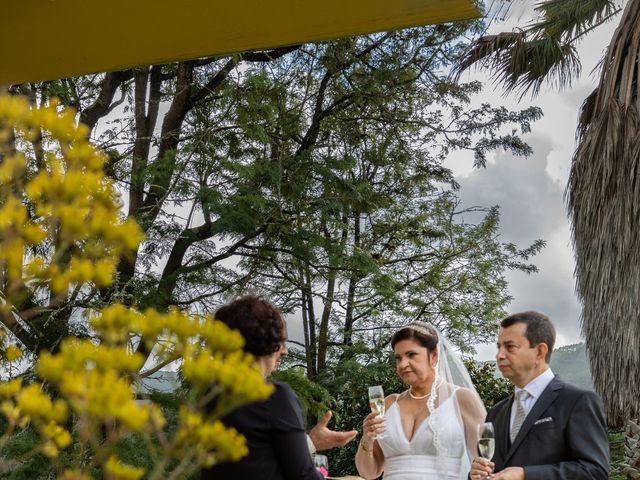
<point x="510" y="473"/>
<point x="324" y="439"/>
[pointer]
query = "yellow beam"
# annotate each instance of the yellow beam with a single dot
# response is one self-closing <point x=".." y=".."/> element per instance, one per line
<point x="50" y="39"/>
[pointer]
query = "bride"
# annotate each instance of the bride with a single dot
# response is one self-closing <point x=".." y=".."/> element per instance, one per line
<point x="430" y="428"/>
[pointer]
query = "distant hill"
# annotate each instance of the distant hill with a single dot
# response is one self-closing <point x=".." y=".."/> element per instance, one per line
<point x="571" y="364"/>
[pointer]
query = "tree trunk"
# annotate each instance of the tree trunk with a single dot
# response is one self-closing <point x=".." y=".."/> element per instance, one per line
<point x="323" y="334"/>
<point x="353" y="280"/>
<point x="309" y="319"/>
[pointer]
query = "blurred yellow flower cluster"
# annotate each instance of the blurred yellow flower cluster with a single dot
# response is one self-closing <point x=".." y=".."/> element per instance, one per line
<point x="24" y="405"/>
<point x="211" y="440"/>
<point x="61" y="233"/>
<point x="95" y="381"/>
<point x="61" y="203"/>
<point x="116" y="470"/>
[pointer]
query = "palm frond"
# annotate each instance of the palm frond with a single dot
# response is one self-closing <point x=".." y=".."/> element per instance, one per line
<point x="570" y="19"/>
<point x="523" y="60"/>
<point x="539" y="61"/>
<point x="486" y="47"/>
<point x="522" y="64"/>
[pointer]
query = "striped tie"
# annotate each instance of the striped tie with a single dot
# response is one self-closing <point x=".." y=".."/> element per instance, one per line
<point x="521" y="397"/>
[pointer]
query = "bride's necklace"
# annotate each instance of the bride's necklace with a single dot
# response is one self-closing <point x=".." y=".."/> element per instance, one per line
<point x="415" y="397"/>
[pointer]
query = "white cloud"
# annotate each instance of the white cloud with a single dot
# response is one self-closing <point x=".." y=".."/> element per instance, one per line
<point x="530" y="195"/>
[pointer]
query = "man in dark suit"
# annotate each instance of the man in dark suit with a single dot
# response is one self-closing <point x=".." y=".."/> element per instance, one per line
<point x="548" y="429"/>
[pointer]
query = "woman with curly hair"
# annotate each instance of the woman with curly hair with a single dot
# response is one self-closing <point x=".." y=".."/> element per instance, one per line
<point x="274" y="428"/>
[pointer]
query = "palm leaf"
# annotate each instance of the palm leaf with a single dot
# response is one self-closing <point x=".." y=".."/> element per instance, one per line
<point x="522" y="64"/>
<point x="523" y="60"/>
<point x="488" y="47"/>
<point x="569" y="19"/>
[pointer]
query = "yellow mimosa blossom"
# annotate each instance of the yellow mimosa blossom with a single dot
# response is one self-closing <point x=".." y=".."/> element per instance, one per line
<point x="116" y="470"/>
<point x="207" y="436"/>
<point x="32" y="400"/>
<point x="74" y="475"/>
<point x="12" y="167"/>
<point x="10" y="388"/>
<point x="49" y="449"/>
<point x="60" y="437"/>
<point x="10" y="411"/>
<point x="13" y="353"/>
<point x="220" y="337"/>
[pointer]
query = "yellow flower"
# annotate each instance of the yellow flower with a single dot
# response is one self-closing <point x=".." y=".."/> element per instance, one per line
<point x="49" y="449"/>
<point x="74" y="475"/>
<point x="104" y="272"/>
<point x="71" y="211"/>
<point x="13" y="353"/>
<point x="33" y="234"/>
<point x="10" y="411"/>
<point x="12" y="167"/>
<point x="10" y="388"/>
<point x="50" y="367"/>
<point x="54" y="432"/>
<point x="208" y="437"/>
<point x="32" y="401"/>
<point x="116" y="470"/>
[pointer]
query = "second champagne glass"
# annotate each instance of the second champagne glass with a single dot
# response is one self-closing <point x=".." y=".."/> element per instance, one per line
<point x="376" y="402"/>
<point x="321" y="462"/>
<point x="486" y="441"/>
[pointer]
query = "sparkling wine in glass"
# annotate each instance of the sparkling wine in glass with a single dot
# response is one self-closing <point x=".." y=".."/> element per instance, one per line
<point x="376" y="402"/>
<point x="321" y="463"/>
<point x="486" y="441"/>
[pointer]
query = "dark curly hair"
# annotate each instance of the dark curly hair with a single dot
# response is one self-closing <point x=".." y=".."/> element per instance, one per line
<point x="259" y="322"/>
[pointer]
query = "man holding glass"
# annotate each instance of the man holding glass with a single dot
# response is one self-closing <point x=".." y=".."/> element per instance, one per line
<point x="549" y="429"/>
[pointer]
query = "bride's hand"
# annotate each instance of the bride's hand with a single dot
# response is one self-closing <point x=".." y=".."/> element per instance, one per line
<point x="372" y="426"/>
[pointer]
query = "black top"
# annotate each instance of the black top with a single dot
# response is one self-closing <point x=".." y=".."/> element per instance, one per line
<point x="276" y="440"/>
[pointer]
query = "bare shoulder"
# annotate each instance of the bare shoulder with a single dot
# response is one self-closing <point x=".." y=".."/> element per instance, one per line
<point x="390" y="399"/>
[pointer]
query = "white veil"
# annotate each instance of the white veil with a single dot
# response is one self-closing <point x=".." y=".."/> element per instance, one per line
<point x="453" y="383"/>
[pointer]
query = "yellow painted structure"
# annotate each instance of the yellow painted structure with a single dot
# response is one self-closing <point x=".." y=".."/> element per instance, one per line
<point x="50" y="39"/>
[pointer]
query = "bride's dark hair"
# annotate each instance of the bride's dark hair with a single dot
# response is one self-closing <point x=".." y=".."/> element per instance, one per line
<point x="421" y="332"/>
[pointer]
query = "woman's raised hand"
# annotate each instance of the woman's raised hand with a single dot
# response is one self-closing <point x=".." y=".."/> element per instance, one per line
<point x="372" y="426"/>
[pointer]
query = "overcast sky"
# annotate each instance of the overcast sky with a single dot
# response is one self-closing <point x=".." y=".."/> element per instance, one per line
<point x="530" y="194"/>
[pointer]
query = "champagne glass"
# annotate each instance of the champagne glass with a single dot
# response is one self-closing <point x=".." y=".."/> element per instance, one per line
<point x="486" y="441"/>
<point x="321" y="462"/>
<point x="376" y="402"/>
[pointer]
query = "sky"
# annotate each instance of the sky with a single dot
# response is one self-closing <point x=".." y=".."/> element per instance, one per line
<point x="530" y="192"/>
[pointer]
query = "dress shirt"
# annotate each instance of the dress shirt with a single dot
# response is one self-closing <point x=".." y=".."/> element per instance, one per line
<point x="534" y="388"/>
<point x="310" y="445"/>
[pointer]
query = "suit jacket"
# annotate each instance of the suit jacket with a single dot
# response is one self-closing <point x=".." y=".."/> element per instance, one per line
<point x="564" y="436"/>
<point x="276" y="439"/>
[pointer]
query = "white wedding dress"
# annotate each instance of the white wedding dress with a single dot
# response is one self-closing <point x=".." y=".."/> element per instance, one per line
<point x="417" y="459"/>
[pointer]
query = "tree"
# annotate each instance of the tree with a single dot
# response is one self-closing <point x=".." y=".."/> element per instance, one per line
<point x="378" y="237"/>
<point x="224" y="172"/>
<point x="601" y="194"/>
